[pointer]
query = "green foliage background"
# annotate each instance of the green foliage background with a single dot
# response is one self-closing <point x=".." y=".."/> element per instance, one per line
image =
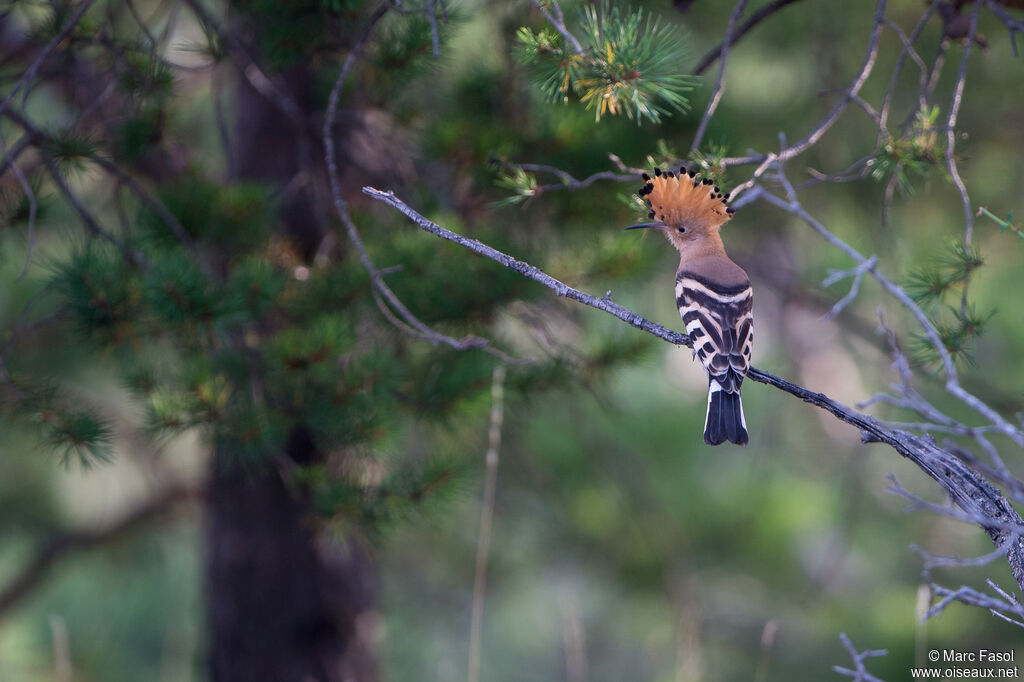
<point x="612" y="516"/>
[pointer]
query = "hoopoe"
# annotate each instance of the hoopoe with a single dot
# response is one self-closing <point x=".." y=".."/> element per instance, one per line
<point x="713" y="293"/>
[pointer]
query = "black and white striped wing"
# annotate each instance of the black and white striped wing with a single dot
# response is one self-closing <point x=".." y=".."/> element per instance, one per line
<point x="719" y="320"/>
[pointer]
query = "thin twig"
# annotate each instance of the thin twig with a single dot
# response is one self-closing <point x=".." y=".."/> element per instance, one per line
<point x="435" y="40"/>
<point x="483" y="543"/>
<point x="133" y="10"/>
<point x="972" y="597"/>
<point x="936" y="70"/>
<point x="1014" y="26"/>
<point x="86" y="217"/>
<point x="1011" y="530"/>
<point x="403" y="318"/>
<point x="716" y="96"/>
<point x="558" y="21"/>
<point x="32" y="206"/>
<point x="766" y="160"/>
<point x="11" y="155"/>
<point x="908" y="50"/>
<point x="112" y="169"/>
<point x="755" y="18"/>
<point x="932" y="560"/>
<point x="951" y="167"/>
<point x="567" y="180"/>
<point x="30" y="73"/>
<point x="857" y="170"/>
<point x="858" y="276"/>
<point x="860" y="674"/>
<point x="230" y="160"/>
<point x="253" y="73"/>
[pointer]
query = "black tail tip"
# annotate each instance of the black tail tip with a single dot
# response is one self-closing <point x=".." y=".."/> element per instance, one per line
<point x="739" y="437"/>
<point x="725" y="419"/>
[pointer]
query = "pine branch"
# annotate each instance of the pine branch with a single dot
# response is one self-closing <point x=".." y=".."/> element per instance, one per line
<point x="36" y="135"/>
<point x="982" y="501"/>
<point x="626" y="63"/>
<point x="90" y="222"/>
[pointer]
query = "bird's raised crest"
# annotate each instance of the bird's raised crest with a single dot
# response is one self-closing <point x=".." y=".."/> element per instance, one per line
<point x="684" y="199"/>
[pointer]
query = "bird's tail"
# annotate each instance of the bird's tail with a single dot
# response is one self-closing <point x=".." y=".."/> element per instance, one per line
<point x="724" y="421"/>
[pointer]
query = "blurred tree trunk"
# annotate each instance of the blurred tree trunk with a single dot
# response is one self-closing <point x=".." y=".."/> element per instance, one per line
<point x="282" y="605"/>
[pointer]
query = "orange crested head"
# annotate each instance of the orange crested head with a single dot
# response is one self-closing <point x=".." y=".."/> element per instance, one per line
<point x="685" y="201"/>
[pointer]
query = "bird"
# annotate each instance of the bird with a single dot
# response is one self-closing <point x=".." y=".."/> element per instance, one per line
<point x="713" y="294"/>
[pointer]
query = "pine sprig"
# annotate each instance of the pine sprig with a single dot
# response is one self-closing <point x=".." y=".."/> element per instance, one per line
<point x="710" y="161"/>
<point x="523" y="186"/>
<point x="910" y="156"/>
<point x="630" y="64"/>
<point x="958" y="325"/>
<point x="80" y="434"/>
<point x="70" y="151"/>
<point x="958" y="336"/>
<point x="928" y="286"/>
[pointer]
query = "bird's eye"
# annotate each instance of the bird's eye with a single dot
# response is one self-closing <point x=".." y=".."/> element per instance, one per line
<point x="681" y="229"/>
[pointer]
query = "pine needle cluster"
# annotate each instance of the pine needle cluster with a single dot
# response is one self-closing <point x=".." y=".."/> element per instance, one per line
<point x="630" y="64"/>
<point x="911" y="156"/>
<point x="939" y="289"/>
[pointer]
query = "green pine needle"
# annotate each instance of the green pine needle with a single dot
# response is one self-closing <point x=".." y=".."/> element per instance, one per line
<point x="70" y="152"/>
<point x="958" y="337"/>
<point x="77" y="434"/>
<point x="630" y="64"/>
<point x="523" y="186"/>
<point x="928" y="286"/>
<point x="911" y="156"/>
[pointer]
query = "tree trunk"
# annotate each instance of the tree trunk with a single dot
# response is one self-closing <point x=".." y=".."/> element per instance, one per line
<point x="282" y="606"/>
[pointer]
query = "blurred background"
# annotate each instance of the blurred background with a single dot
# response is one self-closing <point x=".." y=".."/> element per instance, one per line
<point x="183" y="405"/>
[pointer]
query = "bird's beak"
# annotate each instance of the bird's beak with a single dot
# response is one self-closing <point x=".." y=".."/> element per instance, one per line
<point x="660" y="226"/>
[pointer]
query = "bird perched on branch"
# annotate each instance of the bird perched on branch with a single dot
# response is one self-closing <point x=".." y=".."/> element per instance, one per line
<point x="713" y="293"/>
